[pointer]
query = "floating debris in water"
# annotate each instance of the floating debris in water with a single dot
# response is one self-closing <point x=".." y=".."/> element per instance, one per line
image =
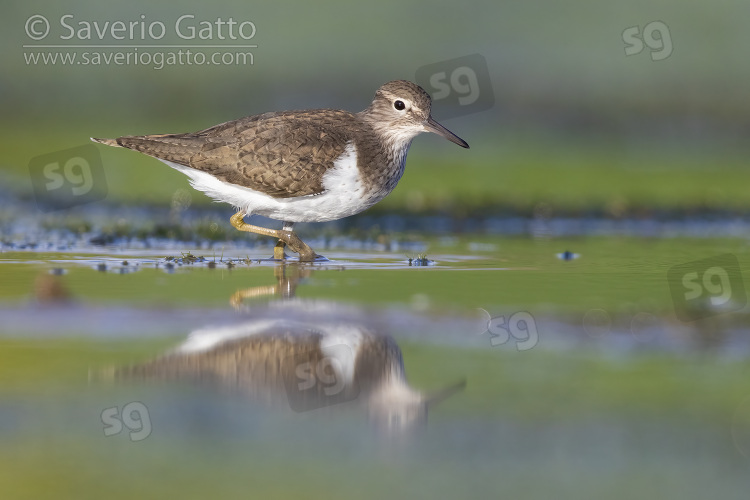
<point x="247" y="260"/>
<point x="186" y="258"/>
<point x="121" y="267"/>
<point x="189" y="258"/>
<point x="212" y="264"/>
<point x="568" y="255"/>
<point x="420" y="260"/>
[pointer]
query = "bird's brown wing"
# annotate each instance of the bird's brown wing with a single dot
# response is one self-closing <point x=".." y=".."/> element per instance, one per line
<point x="283" y="155"/>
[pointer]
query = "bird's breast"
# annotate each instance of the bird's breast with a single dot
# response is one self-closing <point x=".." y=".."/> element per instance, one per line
<point x="381" y="172"/>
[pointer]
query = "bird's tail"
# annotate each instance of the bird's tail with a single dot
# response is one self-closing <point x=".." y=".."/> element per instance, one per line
<point x="177" y="148"/>
<point x="107" y="142"/>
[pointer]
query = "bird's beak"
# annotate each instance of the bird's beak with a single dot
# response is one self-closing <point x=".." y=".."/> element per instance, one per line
<point x="443" y="394"/>
<point x="432" y="126"/>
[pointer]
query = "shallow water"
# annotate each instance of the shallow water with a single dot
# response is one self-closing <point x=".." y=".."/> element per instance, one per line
<point x="123" y="372"/>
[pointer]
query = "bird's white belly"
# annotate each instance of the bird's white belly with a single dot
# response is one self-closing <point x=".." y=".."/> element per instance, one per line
<point x="344" y="194"/>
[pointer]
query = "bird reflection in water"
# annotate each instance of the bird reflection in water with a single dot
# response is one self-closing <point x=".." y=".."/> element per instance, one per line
<point x="298" y="354"/>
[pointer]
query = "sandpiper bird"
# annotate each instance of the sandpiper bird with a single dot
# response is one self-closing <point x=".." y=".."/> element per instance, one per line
<point x="300" y="166"/>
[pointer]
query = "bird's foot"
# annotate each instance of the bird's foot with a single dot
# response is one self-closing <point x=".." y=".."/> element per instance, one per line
<point x="295" y="244"/>
<point x="287" y="238"/>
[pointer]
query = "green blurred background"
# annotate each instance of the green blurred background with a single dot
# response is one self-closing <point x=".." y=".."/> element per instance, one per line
<point x="576" y="127"/>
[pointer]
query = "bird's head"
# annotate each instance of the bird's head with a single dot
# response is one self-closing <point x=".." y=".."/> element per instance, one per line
<point x="401" y="110"/>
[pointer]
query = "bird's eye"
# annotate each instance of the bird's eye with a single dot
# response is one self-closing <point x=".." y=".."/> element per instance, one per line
<point x="399" y="105"/>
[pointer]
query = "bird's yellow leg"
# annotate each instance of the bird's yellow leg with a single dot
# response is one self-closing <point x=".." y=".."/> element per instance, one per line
<point x="238" y="221"/>
<point x="278" y="250"/>
<point x="306" y="253"/>
<point x="286" y="238"/>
